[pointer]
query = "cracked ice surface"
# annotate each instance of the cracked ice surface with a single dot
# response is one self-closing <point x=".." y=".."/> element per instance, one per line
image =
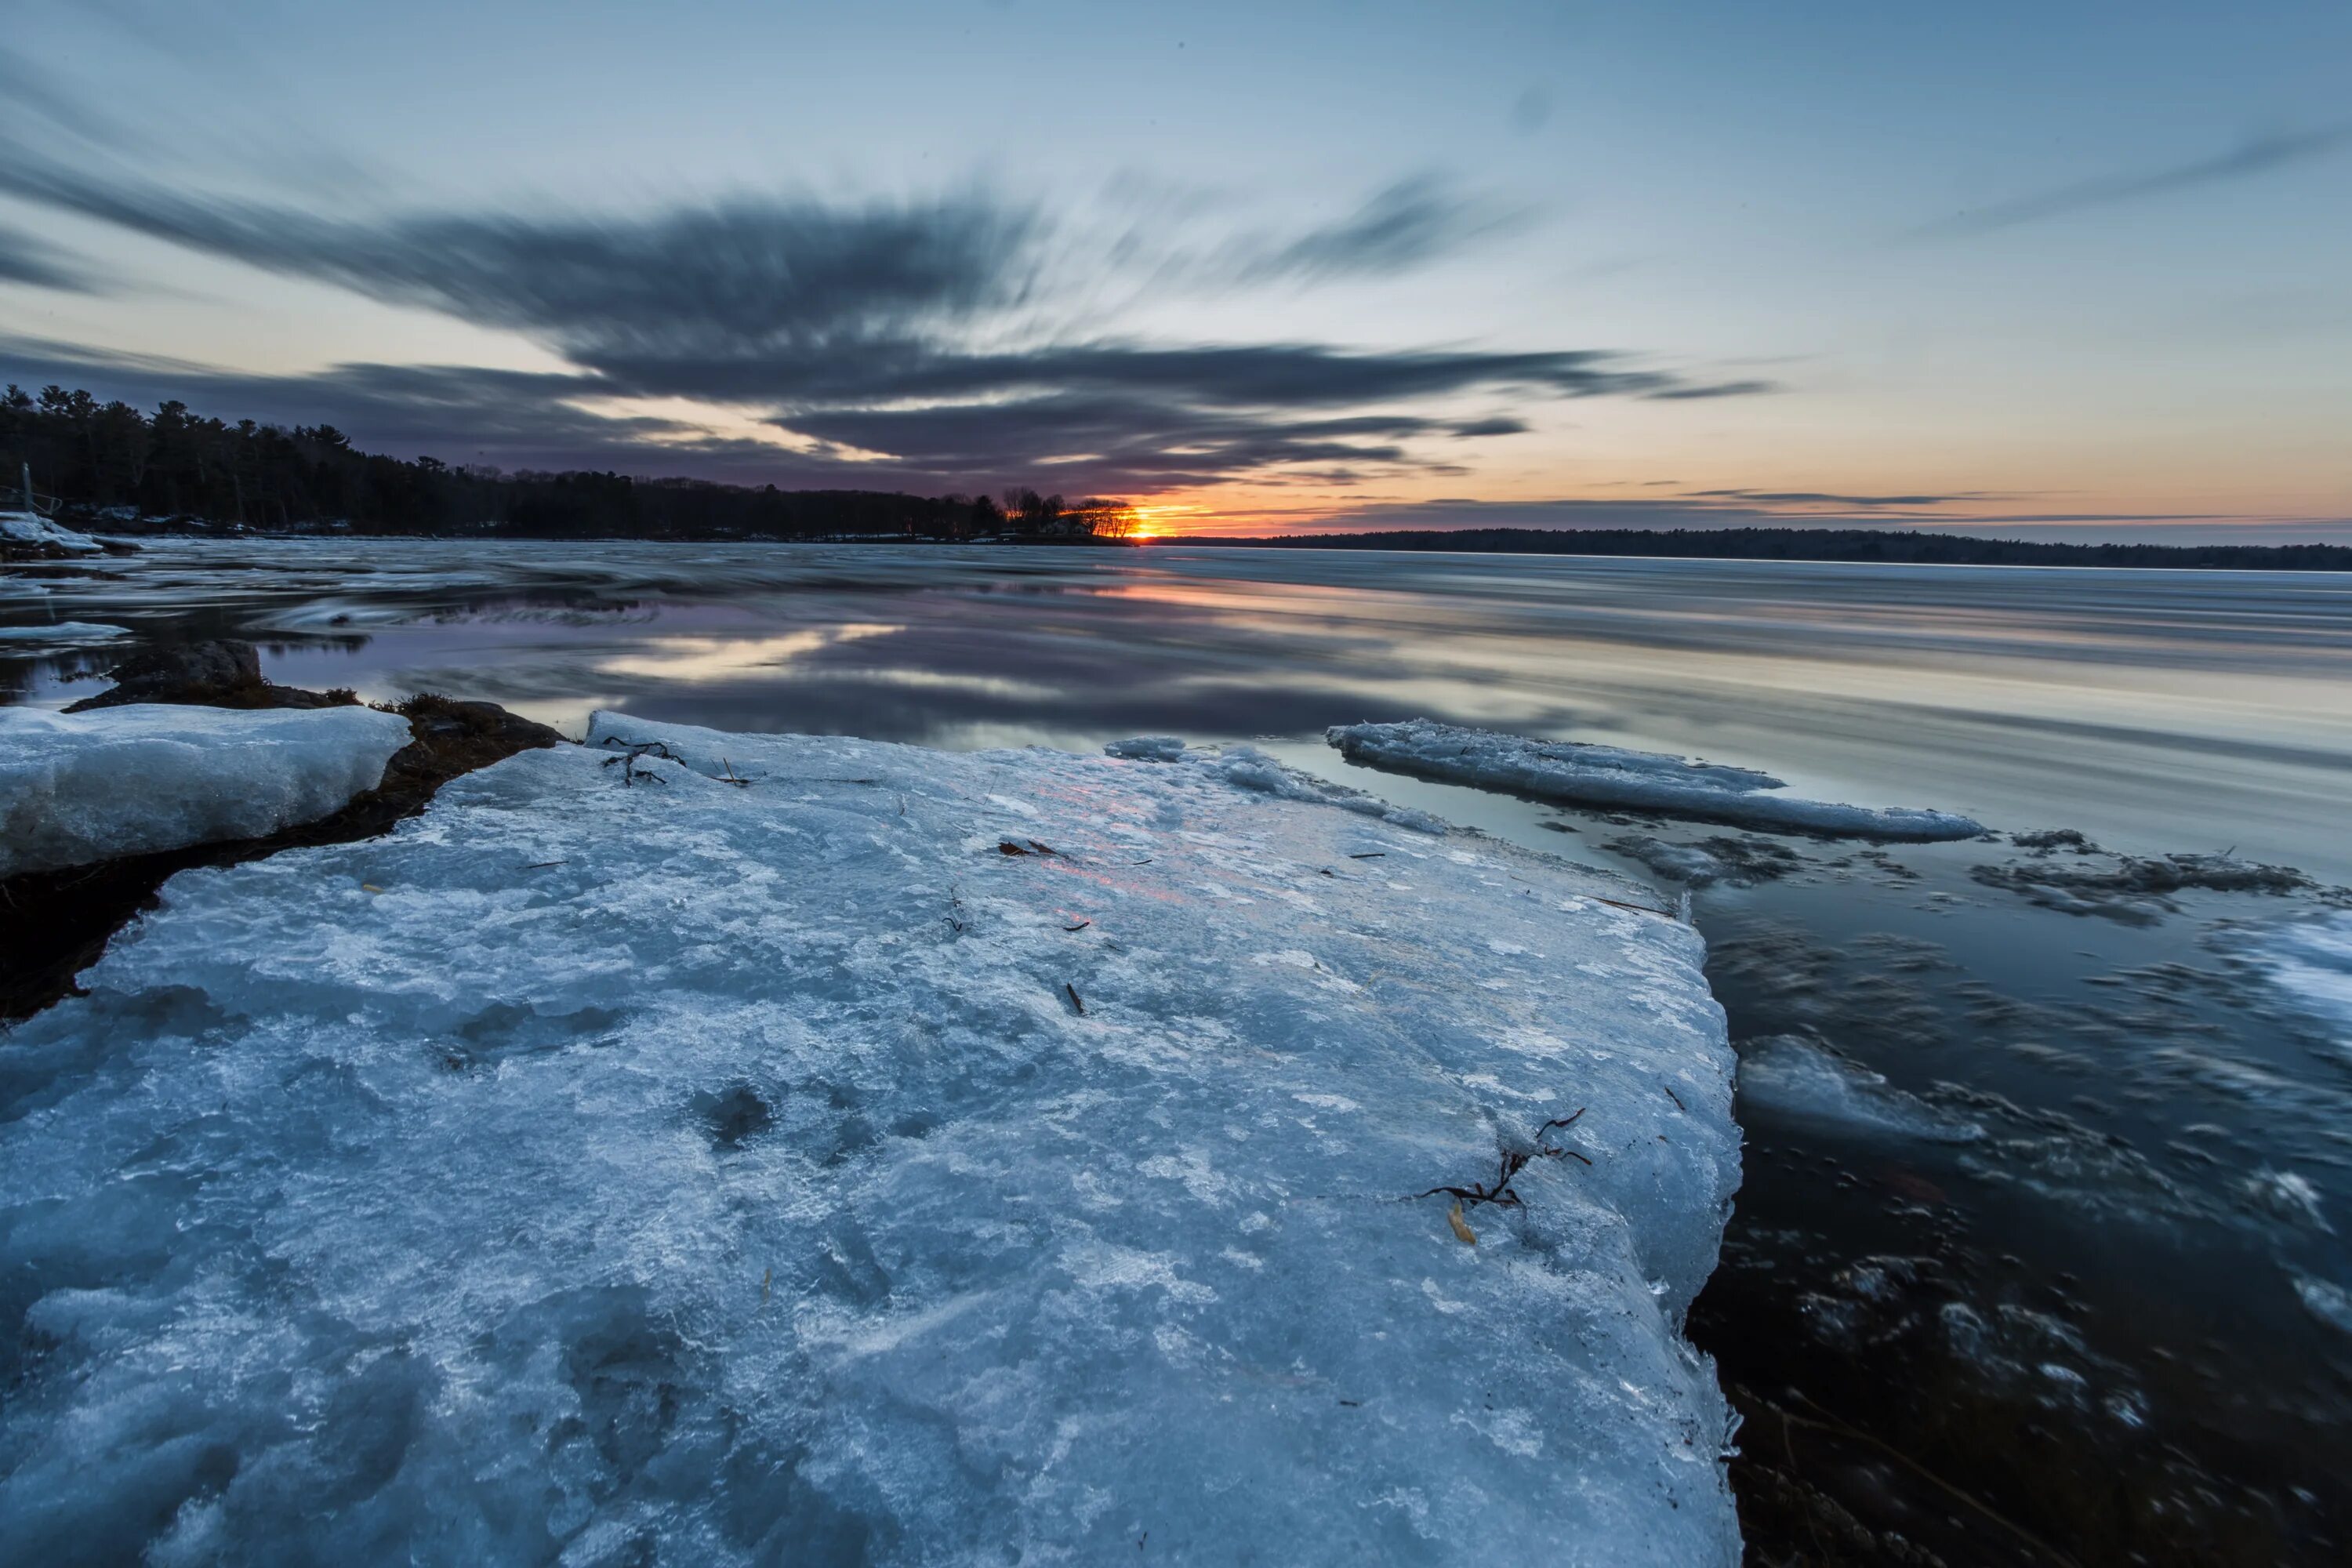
<point x="746" y="1185"/>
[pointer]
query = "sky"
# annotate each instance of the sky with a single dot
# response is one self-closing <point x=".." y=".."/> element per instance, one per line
<point x="2047" y="269"/>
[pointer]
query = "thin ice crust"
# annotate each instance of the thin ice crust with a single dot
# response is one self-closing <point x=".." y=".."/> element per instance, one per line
<point x="845" y="1152"/>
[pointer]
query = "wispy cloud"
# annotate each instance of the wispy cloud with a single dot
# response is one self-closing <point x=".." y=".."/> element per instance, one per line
<point x="944" y="335"/>
<point x="2258" y="155"/>
<point x="24" y="260"/>
<point x="1406" y="225"/>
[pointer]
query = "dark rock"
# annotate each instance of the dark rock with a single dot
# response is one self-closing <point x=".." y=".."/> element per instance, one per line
<point x="203" y="675"/>
<point x="452" y="737"/>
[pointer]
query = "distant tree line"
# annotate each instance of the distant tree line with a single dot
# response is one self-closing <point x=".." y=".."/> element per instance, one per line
<point x="176" y="468"/>
<point x="1897" y="545"/>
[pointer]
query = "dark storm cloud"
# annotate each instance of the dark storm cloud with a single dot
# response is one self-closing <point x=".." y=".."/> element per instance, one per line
<point x="857" y="324"/>
<point x="1141" y="437"/>
<point x="1229" y="375"/>
<point x="769" y="275"/>
<point x="24" y="260"/>
<point x="460" y="413"/>
<point x="2259" y="155"/>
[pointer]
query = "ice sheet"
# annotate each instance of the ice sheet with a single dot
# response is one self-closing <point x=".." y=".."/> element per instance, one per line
<point x="892" y="1156"/>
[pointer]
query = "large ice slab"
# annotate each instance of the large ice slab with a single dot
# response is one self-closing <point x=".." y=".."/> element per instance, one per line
<point x="821" y="1151"/>
<point x="81" y="787"/>
<point x="31" y="528"/>
<point x="1588" y="774"/>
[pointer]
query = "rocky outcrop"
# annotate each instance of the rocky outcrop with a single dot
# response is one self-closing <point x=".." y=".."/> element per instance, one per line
<point x="205" y="675"/>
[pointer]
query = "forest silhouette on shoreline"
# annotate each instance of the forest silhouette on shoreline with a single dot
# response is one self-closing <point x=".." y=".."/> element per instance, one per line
<point x="111" y="467"/>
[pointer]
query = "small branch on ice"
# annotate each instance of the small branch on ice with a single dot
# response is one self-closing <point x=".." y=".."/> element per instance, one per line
<point x="541" y="864"/>
<point x="1007" y="846"/>
<point x="1080" y="926"/>
<point x="1370" y="855"/>
<point x="1073" y="990"/>
<point x="634" y="751"/>
<point x="1676" y="1097"/>
<point x="643" y="749"/>
<point x="1513" y="1162"/>
<point x="728" y="775"/>
<point x="1621" y="904"/>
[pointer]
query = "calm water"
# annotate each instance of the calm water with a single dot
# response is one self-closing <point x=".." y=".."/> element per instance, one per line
<point x="2047" y="1182"/>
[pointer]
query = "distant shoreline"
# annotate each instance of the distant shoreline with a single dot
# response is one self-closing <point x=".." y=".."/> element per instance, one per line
<point x="1901" y="547"/>
<point x="1898" y="547"/>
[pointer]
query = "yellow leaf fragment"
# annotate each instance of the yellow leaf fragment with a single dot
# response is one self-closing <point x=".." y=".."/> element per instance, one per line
<point x="370" y="887"/>
<point x="1461" y="1227"/>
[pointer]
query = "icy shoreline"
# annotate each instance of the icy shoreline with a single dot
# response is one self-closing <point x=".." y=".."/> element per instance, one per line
<point x="885" y="1154"/>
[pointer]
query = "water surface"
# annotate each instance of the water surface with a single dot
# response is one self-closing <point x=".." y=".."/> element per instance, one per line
<point x="2041" y="1247"/>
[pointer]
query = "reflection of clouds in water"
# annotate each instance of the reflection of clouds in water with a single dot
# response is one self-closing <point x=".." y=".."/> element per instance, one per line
<point x="942" y="680"/>
<point x="696" y="659"/>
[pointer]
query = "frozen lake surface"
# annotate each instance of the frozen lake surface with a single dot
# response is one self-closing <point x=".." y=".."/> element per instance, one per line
<point x="2050" y="1163"/>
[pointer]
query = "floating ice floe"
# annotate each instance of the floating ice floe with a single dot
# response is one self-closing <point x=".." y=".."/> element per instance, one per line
<point x="32" y="529"/>
<point x="62" y="634"/>
<point x="83" y="787"/>
<point x="1801" y="1081"/>
<point x="716" y="1148"/>
<point x="2310" y="963"/>
<point x="2326" y="1301"/>
<point x="1586" y="774"/>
